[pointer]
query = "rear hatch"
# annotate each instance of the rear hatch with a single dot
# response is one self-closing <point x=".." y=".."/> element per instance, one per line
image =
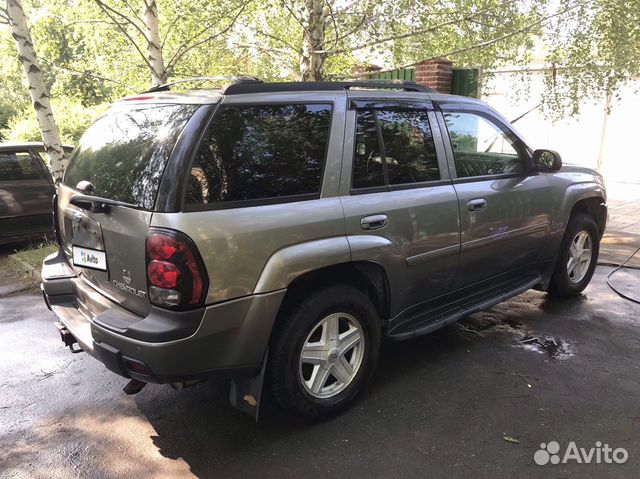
<point x="123" y="156"/>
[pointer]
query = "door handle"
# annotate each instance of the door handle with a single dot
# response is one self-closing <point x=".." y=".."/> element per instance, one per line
<point x="374" y="222"/>
<point x="478" y="204"/>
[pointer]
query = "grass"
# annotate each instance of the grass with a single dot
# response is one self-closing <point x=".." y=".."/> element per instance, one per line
<point x="32" y="255"/>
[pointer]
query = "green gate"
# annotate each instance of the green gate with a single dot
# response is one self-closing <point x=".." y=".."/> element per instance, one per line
<point x="408" y="74"/>
<point x="465" y="82"/>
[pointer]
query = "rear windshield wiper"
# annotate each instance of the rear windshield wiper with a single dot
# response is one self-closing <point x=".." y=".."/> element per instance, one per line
<point x="96" y="204"/>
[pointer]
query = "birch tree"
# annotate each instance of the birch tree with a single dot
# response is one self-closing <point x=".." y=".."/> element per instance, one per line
<point x="314" y="22"/>
<point x="13" y="14"/>
<point x="154" y="46"/>
<point x="333" y="33"/>
<point x="187" y="26"/>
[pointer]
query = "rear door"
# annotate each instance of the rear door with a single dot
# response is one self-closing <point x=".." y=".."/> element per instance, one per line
<point x="25" y="195"/>
<point x="121" y="157"/>
<point x="400" y="207"/>
<point x="504" y="208"/>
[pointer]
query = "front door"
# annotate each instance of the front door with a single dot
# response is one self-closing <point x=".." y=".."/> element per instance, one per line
<point x="505" y="208"/>
<point x="399" y="204"/>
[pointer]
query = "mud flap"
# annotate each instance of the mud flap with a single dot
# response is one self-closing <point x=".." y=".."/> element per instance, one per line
<point x="245" y="392"/>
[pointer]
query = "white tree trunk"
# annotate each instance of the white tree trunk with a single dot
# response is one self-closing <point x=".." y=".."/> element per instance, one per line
<point x="314" y="23"/>
<point x="159" y="74"/>
<point x="37" y="88"/>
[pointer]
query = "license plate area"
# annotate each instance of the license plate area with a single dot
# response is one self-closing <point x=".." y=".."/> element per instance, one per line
<point x="89" y="258"/>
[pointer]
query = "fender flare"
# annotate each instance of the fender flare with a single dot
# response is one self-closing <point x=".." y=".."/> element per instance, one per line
<point x="288" y="263"/>
<point x="574" y="194"/>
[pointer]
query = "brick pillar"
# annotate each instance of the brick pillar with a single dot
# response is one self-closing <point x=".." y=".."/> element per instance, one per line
<point x="436" y="74"/>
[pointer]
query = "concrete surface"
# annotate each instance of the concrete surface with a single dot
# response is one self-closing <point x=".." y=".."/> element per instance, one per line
<point x="624" y="207"/>
<point x="622" y="236"/>
<point x="533" y="369"/>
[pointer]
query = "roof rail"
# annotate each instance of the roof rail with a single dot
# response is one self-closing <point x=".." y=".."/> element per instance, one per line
<point x="260" y="87"/>
<point x="231" y="79"/>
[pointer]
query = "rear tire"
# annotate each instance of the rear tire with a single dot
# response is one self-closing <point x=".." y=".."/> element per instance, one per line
<point x="577" y="257"/>
<point x="324" y="352"/>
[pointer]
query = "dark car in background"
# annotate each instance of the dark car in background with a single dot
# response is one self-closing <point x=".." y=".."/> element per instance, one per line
<point x="26" y="190"/>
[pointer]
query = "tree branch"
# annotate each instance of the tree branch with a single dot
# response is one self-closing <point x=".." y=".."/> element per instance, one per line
<point x="133" y="11"/>
<point x="106" y="8"/>
<point x="358" y="26"/>
<point x="277" y="39"/>
<point x="333" y="20"/>
<point x="484" y="44"/>
<point x="84" y="73"/>
<point x="4" y="15"/>
<point x="185" y="47"/>
<point x="257" y="46"/>
<point x="124" y="31"/>
<point x="169" y="29"/>
<point x="413" y="33"/>
<point x="292" y="13"/>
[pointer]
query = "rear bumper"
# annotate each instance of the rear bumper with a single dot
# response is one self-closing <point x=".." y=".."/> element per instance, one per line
<point x="226" y="337"/>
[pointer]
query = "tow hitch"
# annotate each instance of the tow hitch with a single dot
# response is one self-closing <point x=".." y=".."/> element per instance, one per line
<point x="67" y="338"/>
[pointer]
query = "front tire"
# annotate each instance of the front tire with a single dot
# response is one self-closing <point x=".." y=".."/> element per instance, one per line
<point x="324" y="352"/>
<point x="577" y="258"/>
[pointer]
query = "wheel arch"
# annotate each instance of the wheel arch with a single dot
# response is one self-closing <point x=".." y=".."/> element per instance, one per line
<point x="367" y="276"/>
<point x="593" y="206"/>
<point x="588" y="198"/>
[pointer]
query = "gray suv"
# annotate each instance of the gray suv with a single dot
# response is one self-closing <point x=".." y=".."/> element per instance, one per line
<point x="276" y="232"/>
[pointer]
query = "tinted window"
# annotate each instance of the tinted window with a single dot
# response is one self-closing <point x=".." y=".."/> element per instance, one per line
<point x="367" y="161"/>
<point x="124" y="153"/>
<point x="407" y="154"/>
<point x="408" y="146"/>
<point x="261" y="151"/>
<point x="480" y="146"/>
<point x="19" y="166"/>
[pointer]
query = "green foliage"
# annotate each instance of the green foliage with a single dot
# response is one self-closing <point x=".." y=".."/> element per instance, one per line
<point x="88" y="61"/>
<point x="13" y="94"/>
<point x="73" y="119"/>
<point x="595" y="48"/>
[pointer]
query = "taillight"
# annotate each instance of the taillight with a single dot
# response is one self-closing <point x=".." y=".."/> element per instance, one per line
<point x="163" y="274"/>
<point x="176" y="275"/>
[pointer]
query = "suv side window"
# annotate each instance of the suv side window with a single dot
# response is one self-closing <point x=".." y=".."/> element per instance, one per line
<point x="367" y="161"/>
<point x="394" y="146"/>
<point x="254" y="152"/>
<point x="19" y="166"/>
<point x="408" y="146"/>
<point x="481" y="147"/>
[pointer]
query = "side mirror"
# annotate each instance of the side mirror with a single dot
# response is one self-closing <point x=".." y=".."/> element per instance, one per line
<point x="546" y="160"/>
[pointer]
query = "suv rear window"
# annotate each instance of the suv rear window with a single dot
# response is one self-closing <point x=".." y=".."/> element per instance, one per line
<point x="261" y="152"/>
<point x="124" y="153"/>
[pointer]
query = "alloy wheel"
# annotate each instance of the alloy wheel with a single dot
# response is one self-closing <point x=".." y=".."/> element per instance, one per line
<point x="580" y="254"/>
<point x="331" y="355"/>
